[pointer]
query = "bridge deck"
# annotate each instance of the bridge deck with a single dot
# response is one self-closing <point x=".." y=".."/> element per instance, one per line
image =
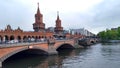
<point x="7" y="50"/>
<point x="4" y="52"/>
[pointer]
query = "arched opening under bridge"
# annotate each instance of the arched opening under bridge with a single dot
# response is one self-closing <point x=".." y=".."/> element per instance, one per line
<point x="29" y="55"/>
<point x="21" y="54"/>
<point x="64" y="46"/>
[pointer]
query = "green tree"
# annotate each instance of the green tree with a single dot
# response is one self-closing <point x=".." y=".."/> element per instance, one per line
<point x="110" y="34"/>
<point x="102" y="35"/>
<point x="118" y="33"/>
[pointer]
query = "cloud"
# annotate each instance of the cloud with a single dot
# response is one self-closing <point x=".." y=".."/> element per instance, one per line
<point x="94" y="15"/>
<point x="15" y="13"/>
<point x="106" y="14"/>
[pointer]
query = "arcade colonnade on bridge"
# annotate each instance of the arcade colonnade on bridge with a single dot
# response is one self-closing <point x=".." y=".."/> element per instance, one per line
<point x="19" y="38"/>
<point x="22" y="36"/>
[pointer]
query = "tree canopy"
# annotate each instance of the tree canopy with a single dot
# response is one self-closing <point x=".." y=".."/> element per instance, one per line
<point x="113" y="34"/>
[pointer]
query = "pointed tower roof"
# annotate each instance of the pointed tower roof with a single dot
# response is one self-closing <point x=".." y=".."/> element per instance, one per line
<point x="58" y="15"/>
<point x="38" y="10"/>
<point x="58" y="18"/>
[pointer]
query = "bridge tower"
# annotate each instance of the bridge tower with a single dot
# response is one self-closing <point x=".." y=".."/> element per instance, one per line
<point x="38" y="25"/>
<point x="58" y="28"/>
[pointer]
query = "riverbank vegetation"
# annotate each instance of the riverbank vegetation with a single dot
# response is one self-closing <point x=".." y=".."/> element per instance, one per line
<point x="110" y="34"/>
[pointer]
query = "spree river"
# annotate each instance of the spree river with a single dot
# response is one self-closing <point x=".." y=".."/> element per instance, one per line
<point x="95" y="56"/>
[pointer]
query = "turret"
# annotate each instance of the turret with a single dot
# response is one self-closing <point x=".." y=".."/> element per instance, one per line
<point x="38" y="25"/>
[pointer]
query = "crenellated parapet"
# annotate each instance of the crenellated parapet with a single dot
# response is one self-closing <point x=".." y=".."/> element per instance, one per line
<point x="8" y="29"/>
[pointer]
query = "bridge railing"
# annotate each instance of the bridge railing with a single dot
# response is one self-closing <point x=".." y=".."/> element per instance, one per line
<point x="20" y="44"/>
<point x="3" y="45"/>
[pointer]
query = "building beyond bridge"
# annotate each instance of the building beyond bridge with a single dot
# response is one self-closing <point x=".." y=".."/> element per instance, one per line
<point x="81" y="31"/>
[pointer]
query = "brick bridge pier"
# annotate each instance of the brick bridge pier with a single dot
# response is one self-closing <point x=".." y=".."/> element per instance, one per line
<point x="8" y="50"/>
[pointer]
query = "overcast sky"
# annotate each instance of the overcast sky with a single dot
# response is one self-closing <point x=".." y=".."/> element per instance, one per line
<point x="94" y="15"/>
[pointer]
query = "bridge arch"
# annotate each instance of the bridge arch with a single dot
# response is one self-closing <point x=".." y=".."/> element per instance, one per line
<point x="19" y="38"/>
<point x="33" y="50"/>
<point x="92" y="41"/>
<point x="6" y="38"/>
<point x="1" y="38"/>
<point x="33" y="36"/>
<point x="12" y="37"/>
<point x="65" y="46"/>
<point x="24" y="38"/>
<point x="39" y="37"/>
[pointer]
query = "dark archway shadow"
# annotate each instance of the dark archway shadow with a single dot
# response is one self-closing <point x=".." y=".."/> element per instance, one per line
<point x="65" y="49"/>
<point x="25" y="59"/>
<point x="92" y="42"/>
<point x="65" y="46"/>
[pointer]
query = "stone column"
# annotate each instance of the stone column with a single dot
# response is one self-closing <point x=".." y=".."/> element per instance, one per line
<point x="0" y="64"/>
<point x="51" y="49"/>
<point x="8" y="39"/>
<point x="1" y="39"/>
<point x="21" y="39"/>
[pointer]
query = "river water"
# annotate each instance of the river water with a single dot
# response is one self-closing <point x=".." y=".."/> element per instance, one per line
<point x="95" y="56"/>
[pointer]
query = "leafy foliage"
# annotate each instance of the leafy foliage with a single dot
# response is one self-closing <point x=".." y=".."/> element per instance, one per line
<point x="113" y="34"/>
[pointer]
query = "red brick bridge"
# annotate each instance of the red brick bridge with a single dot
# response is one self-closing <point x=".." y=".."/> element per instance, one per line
<point x="9" y="50"/>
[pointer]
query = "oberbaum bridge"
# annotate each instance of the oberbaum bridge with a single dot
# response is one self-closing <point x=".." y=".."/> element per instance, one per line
<point x="39" y="41"/>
